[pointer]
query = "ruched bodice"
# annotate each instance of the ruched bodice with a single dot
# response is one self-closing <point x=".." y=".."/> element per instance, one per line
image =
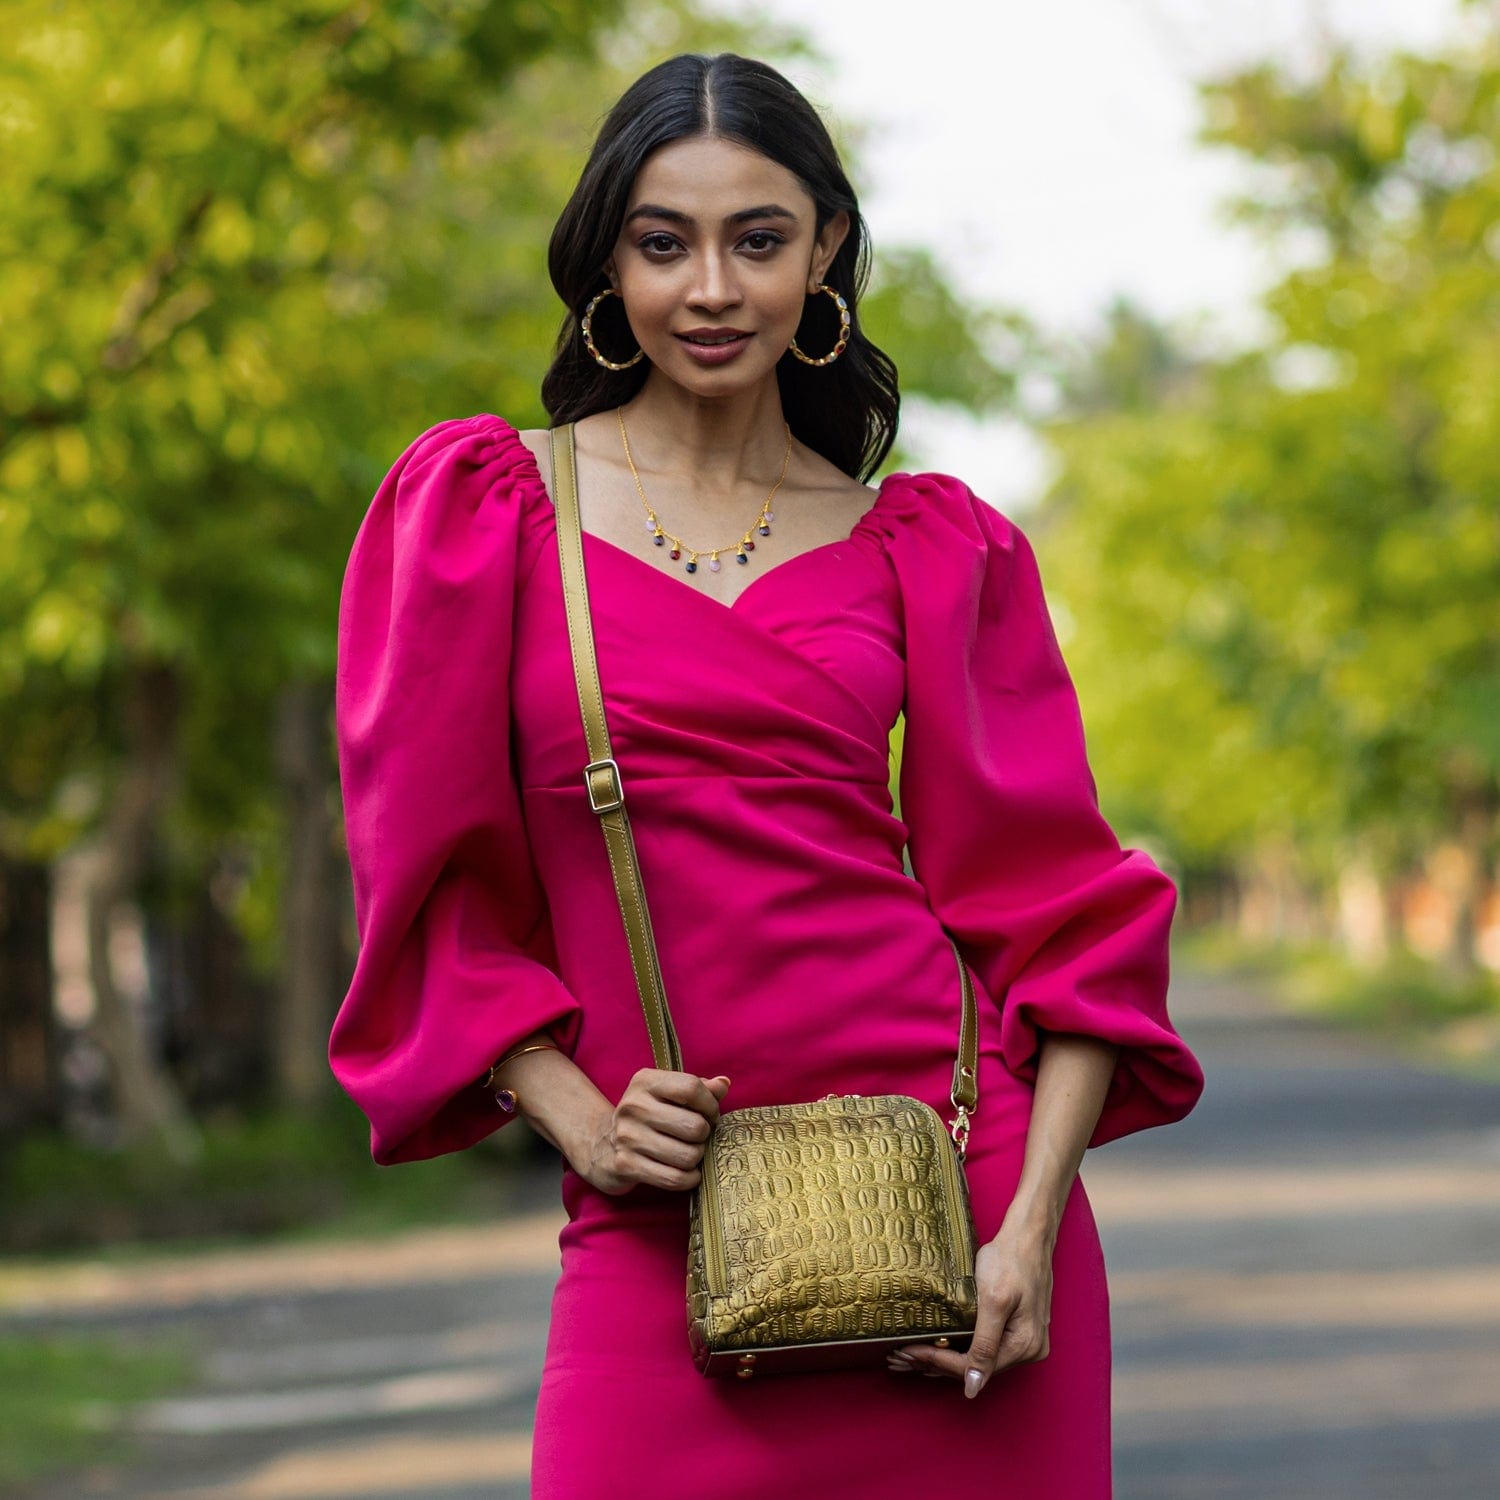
<point x="820" y="633"/>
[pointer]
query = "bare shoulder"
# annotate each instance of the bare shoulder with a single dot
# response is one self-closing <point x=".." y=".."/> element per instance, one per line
<point x="539" y="440"/>
<point x="834" y="488"/>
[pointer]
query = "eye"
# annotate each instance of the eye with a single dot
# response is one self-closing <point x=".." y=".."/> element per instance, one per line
<point x="658" y="243"/>
<point x="769" y="236"/>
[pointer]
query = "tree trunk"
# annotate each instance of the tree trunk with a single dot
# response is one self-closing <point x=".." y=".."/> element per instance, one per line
<point x="1461" y="870"/>
<point x="1274" y="903"/>
<point x="1363" y="906"/>
<point x="309" y="913"/>
<point x="28" y="1032"/>
<point x="148" y="1105"/>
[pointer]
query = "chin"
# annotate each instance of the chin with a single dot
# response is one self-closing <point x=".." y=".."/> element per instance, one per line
<point x="723" y="381"/>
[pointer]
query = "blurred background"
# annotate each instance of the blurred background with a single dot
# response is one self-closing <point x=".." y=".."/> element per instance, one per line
<point x="1204" y="293"/>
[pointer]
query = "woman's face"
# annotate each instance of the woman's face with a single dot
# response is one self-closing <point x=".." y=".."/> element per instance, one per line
<point x="718" y="239"/>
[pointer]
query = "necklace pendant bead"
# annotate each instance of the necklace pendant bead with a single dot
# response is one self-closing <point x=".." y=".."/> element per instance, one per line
<point x="660" y="536"/>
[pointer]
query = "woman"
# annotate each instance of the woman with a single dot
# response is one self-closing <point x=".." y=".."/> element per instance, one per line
<point x="757" y="636"/>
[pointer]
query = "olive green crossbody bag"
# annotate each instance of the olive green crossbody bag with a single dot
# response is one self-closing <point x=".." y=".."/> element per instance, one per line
<point x="822" y="1234"/>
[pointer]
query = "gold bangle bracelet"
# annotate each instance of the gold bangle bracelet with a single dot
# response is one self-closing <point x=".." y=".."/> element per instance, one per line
<point x="489" y="1078"/>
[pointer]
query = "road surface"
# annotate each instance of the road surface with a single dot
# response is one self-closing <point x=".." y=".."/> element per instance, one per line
<point x="1305" y="1291"/>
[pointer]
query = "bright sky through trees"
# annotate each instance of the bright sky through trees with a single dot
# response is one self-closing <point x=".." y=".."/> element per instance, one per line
<point x="1046" y="154"/>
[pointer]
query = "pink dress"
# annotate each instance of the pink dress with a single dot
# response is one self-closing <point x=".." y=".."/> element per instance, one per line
<point x="798" y="956"/>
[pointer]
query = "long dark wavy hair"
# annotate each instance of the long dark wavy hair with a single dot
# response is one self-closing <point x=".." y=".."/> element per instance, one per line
<point x="847" y="411"/>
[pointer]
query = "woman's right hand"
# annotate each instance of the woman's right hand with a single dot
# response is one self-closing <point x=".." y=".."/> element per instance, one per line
<point x="656" y="1134"/>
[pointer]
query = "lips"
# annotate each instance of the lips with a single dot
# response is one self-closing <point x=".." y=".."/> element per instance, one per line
<point x="711" y="348"/>
<point x="706" y="338"/>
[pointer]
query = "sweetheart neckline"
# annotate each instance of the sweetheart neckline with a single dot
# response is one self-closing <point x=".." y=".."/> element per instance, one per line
<point x="733" y="605"/>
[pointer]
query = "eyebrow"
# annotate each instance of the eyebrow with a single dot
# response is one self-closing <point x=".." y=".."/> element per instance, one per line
<point x="676" y="216"/>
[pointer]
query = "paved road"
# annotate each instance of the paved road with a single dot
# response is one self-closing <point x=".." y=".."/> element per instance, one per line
<point x="1305" y="1273"/>
<point x="1305" y="1282"/>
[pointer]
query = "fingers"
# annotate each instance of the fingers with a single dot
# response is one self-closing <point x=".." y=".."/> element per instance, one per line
<point x="924" y="1359"/>
<point x="989" y="1330"/>
<point x="681" y="1124"/>
<point x="683" y="1155"/>
<point x="1025" y="1341"/>
<point x="661" y="1126"/>
<point x="685" y="1089"/>
<point x="641" y="1140"/>
<point x="1007" y="1332"/>
<point x="677" y="1105"/>
<point x="651" y="1173"/>
<point x="973" y="1368"/>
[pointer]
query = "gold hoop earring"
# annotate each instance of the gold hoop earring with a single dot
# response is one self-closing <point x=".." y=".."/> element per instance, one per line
<point x="843" y="337"/>
<point x="588" y="333"/>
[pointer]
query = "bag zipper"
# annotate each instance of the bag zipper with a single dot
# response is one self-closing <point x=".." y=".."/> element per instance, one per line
<point x="716" y="1262"/>
<point x="954" y="1198"/>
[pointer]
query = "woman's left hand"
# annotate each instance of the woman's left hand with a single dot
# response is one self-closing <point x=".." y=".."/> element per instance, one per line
<point x="1013" y="1277"/>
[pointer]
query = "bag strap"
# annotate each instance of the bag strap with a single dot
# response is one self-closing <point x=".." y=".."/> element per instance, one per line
<point x="601" y="776"/>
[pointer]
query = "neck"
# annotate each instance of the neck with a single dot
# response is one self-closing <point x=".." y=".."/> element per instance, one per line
<point x="712" y="444"/>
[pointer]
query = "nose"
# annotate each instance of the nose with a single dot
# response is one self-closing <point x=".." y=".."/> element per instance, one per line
<point x="715" y="287"/>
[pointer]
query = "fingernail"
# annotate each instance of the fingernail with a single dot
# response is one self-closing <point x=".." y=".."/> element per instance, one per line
<point x="973" y="1383"/>
<point x="900" y="1366"/>
<point x="902" y="1358"/>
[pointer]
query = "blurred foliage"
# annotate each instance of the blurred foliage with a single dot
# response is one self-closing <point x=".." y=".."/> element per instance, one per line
<point x="1293" y="551"/>
<point x="251" y="252"/>
<point x="65" y="1401"/>
<point x="264" y="1175"/>
<point x="946" y="349"/>
<point x="226" y="231"/>
<point x="1411" y="1002"/>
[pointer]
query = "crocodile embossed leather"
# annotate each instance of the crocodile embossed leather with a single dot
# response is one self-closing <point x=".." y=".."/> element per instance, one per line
<point x="826" y="1234"/>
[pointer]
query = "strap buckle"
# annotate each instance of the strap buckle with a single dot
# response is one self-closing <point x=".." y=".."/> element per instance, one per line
<point x="616" y="790"/>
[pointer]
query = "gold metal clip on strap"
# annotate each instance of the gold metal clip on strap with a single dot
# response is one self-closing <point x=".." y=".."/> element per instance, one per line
<point x="959" y="1129"/>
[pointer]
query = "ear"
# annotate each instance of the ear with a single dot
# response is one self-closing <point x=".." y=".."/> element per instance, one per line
<point x="826" y="247"/>
<point x="612" y="273"/>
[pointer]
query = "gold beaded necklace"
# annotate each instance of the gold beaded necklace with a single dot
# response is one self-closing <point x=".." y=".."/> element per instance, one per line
<point x="746" y="543"/>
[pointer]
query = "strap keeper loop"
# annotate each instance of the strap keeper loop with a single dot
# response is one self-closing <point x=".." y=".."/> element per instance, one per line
<point x="964" y="1094"/>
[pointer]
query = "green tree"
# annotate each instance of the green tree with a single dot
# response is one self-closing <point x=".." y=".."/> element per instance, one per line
<point x="1297" y="548"/>
<point x="198" y="201"/>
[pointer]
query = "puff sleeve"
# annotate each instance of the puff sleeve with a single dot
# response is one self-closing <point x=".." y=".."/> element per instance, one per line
<point x="455" y="959"/>
<point x="1066" y="930"/>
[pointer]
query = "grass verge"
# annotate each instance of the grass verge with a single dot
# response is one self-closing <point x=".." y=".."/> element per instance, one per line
<point x="1452" y="1022"/>
<point x="268" y="1177"/>
<point x="66" y="1402"/>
